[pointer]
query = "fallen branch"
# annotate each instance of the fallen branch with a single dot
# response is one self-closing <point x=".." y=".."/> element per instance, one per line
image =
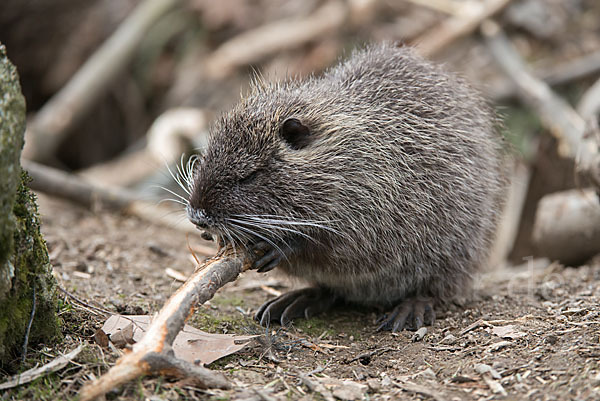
<point x="456" y="27"/>
<point x="69" y="186"/>
<point x="254" y="45"/>
<point x="56" y="182"/>
<point x="567" y="226"/>
<point x="565" y="124"/>
<point x="589" y="105"/>
<point x="556" y="74"/>
<point x="443" y="6"/>
<point x="54" y="120"/>
<point x="32" y="374"/>
<point x="154" y="354"/>
<point x="175" y="132"/>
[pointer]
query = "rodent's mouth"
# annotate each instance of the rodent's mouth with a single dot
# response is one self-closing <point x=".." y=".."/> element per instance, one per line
<point x="203" y="223"/>
<point x="199" y="218"/>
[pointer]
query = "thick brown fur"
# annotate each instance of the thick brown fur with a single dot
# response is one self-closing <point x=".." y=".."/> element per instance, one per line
<point x="396" y="194"/>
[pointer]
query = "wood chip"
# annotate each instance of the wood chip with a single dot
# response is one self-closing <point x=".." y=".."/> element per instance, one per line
<point x="509" y="331"/>
<point x="176" y="275"/>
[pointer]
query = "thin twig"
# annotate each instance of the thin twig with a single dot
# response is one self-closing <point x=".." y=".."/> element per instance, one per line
<point x="256" y="44"/>
<point x="32" y="374"/>
<point x="54" y="120"/>
<point x="70" y="186"/>
<point x="31" y="316"/>
<point x="589" y="105"/>
<point x="456" y="27"/>
<point x="555" y="74"/>
<point x="153" y="354"/>
<point x="81" y="302"/>
<point x="556" y="114"/>
<point x="369" y="354"/>
<point x="59" y="183"/>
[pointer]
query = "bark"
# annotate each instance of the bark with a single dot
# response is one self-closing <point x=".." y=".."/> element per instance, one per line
<point x="25" y="271"/>
<point x="567" y="226"/>
<point x="153" y="354"/>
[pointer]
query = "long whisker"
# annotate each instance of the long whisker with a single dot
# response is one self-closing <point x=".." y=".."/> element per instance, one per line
<point x="274" y="233"/>
<point x="283" y="218"/>
<point x="254" y="233"/>
<point x="231" y="241"/>
<point x="189" y="173"/>
<point x="173" y="193"/>
<point x="267" y="226"/>
<point x="177" y="178"/>
<point x="181" y="175"/>
<point x="179" y="202"/>
<point x="241" y="241"/>
<point x="279" y="221"/>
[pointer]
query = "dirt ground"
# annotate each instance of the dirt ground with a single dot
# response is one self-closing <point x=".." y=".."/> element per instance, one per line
<point x="528" y="332"/>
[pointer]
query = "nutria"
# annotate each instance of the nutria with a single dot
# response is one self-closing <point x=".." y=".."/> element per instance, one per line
<point x="380" y="183"/>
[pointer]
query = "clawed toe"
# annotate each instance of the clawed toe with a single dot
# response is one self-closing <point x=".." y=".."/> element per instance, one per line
<point x="270" y="258"/>
<point x="306" y="302"/>
<point x="411" y="314"/>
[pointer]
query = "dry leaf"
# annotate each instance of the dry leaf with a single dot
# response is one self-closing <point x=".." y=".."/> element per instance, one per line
<point x="509" y="331"/>
<point x="101" y="338"/>
<point x="347" y="390"/>
<point x="123" y="336"/>
<point x="191" y="344"/>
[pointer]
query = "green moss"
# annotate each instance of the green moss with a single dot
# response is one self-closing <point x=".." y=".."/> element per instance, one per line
<point x="315" y="326"/>
<point x="24" y="264"/>
<point x="219" y="398"/>
<point x="32" y="268"/>
<point x="44" y="388"/>
<point x="229" y="300"/>
<point x="521" y="125"/>
<point x="216" y="324"/>
<point x="12" y="128"/>
<point x="220" y="363"/>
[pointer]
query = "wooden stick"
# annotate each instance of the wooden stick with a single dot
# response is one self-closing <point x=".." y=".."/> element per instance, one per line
<point x="153" y="354"/>
<point x="71" y="187"/>
<point x="56" y="182"/>
<point x="254" y="45"/>
<point x="557" y="74"/>
<point x="54" y="120"/>
<point x="444" y="6"/>
<point x="456" y="27"/>
<point x="589" y="105"/>
<point x="175" y="132"/>
<point x="567" y="226"/>
<point x="556" y="114"/>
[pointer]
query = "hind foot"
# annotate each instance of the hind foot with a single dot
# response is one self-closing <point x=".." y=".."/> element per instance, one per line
<point x="306" y="302"/>
<point x="411" y="314"/>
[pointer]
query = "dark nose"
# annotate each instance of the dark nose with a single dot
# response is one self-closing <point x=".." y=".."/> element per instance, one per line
<point x="198" y="217"/>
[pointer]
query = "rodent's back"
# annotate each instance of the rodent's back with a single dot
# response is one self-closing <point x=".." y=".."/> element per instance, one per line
<point x="403" y="166"/>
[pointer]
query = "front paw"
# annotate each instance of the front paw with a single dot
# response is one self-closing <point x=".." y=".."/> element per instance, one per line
<point x="268" y="255"/>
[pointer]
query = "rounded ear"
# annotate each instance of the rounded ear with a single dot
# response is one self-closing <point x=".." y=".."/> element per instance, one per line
<point x="296" y="134"/>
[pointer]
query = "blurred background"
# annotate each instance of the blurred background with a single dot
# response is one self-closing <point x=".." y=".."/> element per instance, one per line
<point x="97" y="74"/>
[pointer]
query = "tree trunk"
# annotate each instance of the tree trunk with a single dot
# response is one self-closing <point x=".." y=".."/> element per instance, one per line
<point x="25" y="271"/>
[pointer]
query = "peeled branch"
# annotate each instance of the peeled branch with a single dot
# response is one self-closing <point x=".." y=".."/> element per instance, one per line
<point x="154" y="353"/>
<point x="564" y="123"/>
<point x="567" y="226"/>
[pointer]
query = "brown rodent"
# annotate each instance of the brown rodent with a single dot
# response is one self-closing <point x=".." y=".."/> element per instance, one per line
<point x="380" y="183"/>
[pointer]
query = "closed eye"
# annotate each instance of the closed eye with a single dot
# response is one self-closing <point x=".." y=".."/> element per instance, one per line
<point x="248" y="178"/>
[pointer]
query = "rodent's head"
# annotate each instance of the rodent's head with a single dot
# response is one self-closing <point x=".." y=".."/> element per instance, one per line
<point x="254" y="178"/>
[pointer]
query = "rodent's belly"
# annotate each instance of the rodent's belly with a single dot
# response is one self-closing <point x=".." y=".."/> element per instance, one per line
<point x="375" y="287"/>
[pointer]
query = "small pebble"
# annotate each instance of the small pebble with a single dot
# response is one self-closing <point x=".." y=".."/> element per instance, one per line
<point x="419" y="334"/>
